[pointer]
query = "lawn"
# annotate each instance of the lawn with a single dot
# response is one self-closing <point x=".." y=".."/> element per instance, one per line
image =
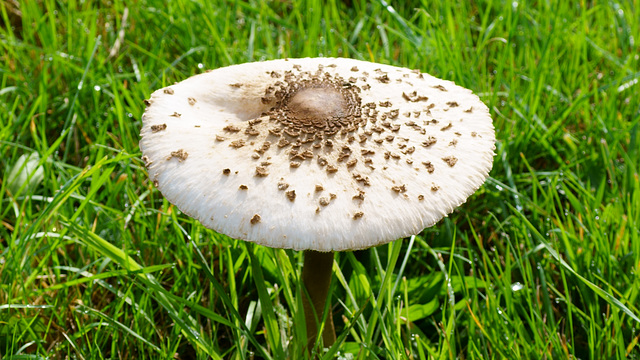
<point x="543" y="262"/>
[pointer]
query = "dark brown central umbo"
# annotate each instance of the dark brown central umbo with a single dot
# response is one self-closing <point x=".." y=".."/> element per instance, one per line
<point x="319" y="105"/>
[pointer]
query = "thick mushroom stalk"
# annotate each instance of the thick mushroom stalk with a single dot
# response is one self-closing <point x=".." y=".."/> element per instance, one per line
<point x="316" y="276"/>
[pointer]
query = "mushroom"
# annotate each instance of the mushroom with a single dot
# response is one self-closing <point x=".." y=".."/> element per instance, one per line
<point x="317" y="154"/>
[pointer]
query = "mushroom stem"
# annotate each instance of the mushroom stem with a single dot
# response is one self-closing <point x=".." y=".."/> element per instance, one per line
<point x="316" y="276"/>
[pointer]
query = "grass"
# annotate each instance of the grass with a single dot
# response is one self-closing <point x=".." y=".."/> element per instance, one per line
<point x="543" y="262"/>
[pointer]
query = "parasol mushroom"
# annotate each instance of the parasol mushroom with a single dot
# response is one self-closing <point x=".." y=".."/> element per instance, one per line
<point x="317" y="154"/>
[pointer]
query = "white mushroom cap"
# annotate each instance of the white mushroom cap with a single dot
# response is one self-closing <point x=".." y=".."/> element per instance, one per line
<point x="320" y="154"/>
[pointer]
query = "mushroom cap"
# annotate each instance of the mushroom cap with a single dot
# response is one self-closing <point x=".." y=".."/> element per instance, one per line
<point x="323" y="154"/>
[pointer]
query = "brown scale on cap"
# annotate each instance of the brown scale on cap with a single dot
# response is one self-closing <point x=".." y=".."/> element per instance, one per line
<point x="251" y="131"/>
<point x="243" y="187"/>
<point x="324" y="201"/>
<point x="147" y="161"/>
<point x="291" y="195"/>
<point x="168" y="91"/>
<point x="283" y="142"/>
<point x="191" y="101"/>
<point x="237" y="143"/>
<point x="362" y="179"/>
<point x="343" y="157"/>
<point x="434" y="187"/>
<point x="156" y="128"/>
<point x="447" y="127"/>
<point x="261" y="171"/>
<point x="429" y="166"/>
<point x="450" y="160"/>
<point x="181" y="155"/>
<point x="319" y="188"/>
<point x="414" y="97"/>
<point x="265" y="146"/>
<point x="231" y="128"/>
<point x="399" y="188"/>
<point x="357" y="215"/>
<point x="175" y="114"/>
<point x="255" y="219"/>
<point x="282" y="186"/>
<point x="377" y="129"/>
<point x="383" y="79"/>
<point x="430" y="141"/>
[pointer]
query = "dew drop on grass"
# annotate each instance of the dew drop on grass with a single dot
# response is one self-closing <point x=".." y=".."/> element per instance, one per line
<point x="516" y="286"/>
<point x="498" y="187"/>
<point x="200" y="66"/>
<point x="97" y="88"/>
